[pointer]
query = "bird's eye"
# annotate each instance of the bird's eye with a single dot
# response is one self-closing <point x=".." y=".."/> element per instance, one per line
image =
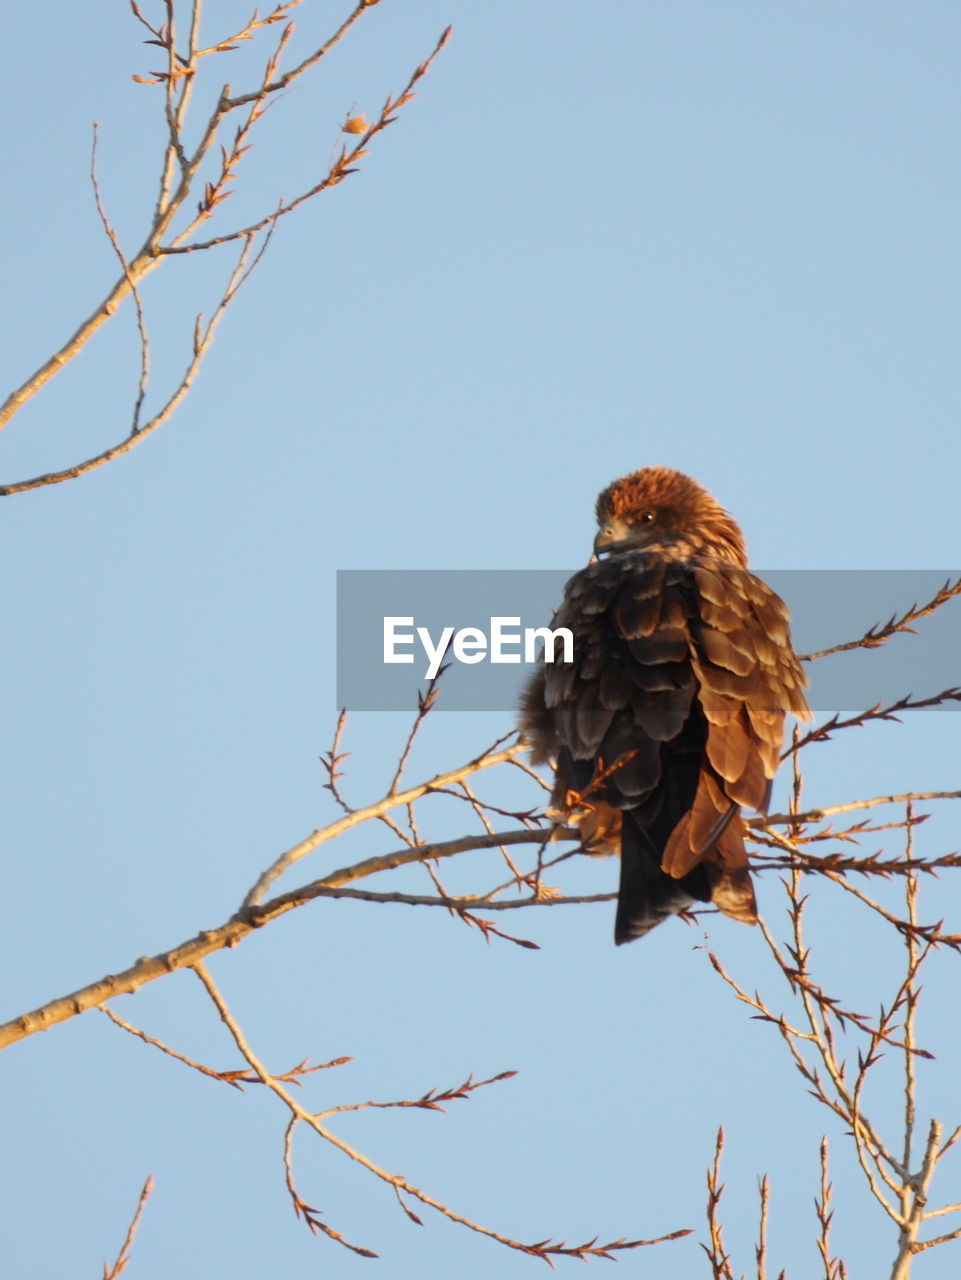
<point x="646" y="517"/>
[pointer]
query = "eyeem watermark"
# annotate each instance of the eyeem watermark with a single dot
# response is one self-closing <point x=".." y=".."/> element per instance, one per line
<point x="396" y="629"/>
<point x="471" y="644"/>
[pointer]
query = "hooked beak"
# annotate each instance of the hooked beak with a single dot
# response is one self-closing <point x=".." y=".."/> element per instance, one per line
<point x="616" y="535"/>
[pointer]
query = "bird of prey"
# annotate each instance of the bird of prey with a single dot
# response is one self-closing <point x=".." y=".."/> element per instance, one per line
<point x="671" y="715"/>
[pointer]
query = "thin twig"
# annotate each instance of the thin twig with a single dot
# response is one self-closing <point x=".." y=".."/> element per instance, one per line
<point x="879" y="633"/>
<point x="138" y="301"/>
<point x="911" y="1000"/>
<point x="123" y="1257"/>
<point x="760" y="1253"/>
<point x="716" y="1252"/>
<point x="815" y="815"/>
<point x="879" y="712"/>
<point x="235" y="1078"/>
<point x="825" y="1215"/>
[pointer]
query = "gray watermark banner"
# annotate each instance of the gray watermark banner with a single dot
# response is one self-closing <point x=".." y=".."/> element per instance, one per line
<point x="396" y="628"/>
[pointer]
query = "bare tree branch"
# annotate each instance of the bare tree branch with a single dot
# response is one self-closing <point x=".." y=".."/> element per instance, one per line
<point x="180" y="171"/>
<point x="545" y="1249"/>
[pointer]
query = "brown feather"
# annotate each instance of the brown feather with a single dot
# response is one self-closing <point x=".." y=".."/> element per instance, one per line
<point x="730" y="880"/>
<point x="671" y="715"/>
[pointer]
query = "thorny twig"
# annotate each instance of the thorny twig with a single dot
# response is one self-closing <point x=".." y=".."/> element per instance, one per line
<point x="880" y="711"/>
<point x="825" y="1215"/>
<point x="716" y="1252"/>
<point x="235" y="1078"/>
<point x="544" y="1249"/>
<point x="880" y="632"/>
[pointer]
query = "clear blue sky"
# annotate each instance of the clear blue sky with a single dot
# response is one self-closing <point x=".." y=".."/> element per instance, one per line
<point x="719" y="237"/>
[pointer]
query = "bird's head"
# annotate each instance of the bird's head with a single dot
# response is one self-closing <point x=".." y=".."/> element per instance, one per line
<point x="658" y="505"/>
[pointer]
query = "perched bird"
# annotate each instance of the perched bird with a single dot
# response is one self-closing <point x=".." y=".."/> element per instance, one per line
<point x="671" y="715"/>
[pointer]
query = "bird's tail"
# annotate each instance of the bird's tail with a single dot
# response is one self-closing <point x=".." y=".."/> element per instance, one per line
<point x="647" y="896"/>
